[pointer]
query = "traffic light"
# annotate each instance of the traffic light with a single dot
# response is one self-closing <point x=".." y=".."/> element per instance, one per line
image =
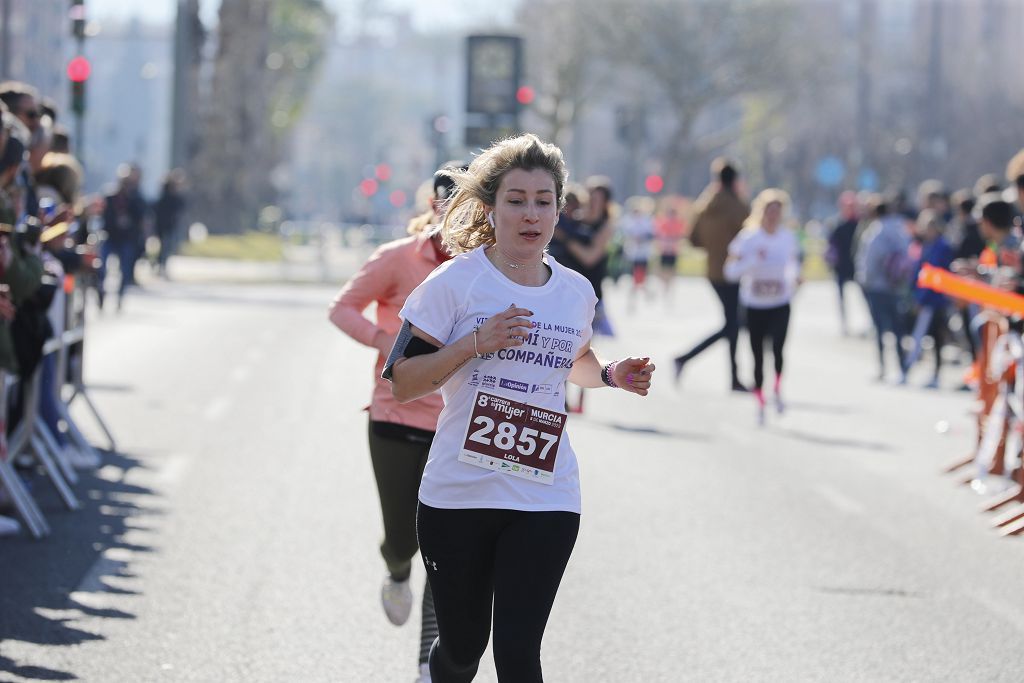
<point x="77" y="15"/>
<point x="654" y="183"/>
<point x="78" y="73"/>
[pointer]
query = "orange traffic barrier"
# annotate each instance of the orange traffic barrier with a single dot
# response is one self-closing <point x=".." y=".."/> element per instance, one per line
<point x="1000" y="397"/>
<point x="958" y="287"/>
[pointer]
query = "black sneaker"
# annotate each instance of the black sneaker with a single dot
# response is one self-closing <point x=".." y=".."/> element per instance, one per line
<point x="739" y="387"/>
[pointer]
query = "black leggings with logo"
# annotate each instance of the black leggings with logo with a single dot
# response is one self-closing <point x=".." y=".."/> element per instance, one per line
<point x="477" y="557"/>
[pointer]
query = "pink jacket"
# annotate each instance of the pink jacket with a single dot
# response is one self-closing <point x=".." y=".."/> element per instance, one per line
<point x="392" y="272"/>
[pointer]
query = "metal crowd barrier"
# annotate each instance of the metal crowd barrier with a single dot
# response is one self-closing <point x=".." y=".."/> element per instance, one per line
<point x="32" y="437"/>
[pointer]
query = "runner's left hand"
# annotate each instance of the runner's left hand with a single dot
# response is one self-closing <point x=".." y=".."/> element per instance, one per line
<point x="634" y="375"/>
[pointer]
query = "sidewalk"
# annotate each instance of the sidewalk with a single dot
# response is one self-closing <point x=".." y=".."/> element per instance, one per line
<point x="298" y="268"/>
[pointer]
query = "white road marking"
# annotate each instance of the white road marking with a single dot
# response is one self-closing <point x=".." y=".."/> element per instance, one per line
<point x="839" y="500"/>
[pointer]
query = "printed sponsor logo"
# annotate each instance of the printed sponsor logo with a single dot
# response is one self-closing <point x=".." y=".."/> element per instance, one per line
<point x="474" y="381"/>
<point x="515" y="468"/>
<point x="541" y="389"/>
<point x="489" y="381"/>
<point x="514" y="385"/>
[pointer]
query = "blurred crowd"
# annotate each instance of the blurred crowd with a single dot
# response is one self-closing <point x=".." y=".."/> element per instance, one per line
<point x="881" y="243"/>
<point x="55" y="239"/>
<point x="875" y="244"/>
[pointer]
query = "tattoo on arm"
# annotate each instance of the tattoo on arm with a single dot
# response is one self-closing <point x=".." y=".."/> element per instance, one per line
<point x="438" y="382"/>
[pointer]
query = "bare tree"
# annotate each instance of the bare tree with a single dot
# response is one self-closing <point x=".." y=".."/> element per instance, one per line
<point x="261" y="75"/>
<point x="699" y="55"/>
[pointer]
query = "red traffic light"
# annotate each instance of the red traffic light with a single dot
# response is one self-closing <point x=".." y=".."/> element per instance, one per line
<point x="383" y="172"/>
<point x="79" y="69"/>
<point x="524" y="95"/>
<point x="397" y="199"/>
<point x="654" y="184"/>
<point x="368" y="187"/>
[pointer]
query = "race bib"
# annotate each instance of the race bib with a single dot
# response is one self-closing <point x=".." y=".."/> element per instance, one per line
<point x="766" y="288"/>
<point x="513" y="438"/>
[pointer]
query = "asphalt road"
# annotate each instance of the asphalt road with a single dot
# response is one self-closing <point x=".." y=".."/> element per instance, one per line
<point x="233" y="535"/>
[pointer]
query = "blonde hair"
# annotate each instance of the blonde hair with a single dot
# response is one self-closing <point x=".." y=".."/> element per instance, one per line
<point x="465" y="225"/>
<point x="772" y="195"/>
<point x="418" y="224"/>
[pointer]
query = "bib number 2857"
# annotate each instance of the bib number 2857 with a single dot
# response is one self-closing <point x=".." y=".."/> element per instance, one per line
<point x="514" y="438"/>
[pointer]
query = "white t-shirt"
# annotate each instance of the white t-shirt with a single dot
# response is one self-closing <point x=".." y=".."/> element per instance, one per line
<point x="459" y="295"/>
<point x="766" y="265"/>
<point x="638" y="231"/>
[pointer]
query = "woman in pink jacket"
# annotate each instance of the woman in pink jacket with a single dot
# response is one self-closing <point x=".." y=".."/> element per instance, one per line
<point x="400" y="434"/>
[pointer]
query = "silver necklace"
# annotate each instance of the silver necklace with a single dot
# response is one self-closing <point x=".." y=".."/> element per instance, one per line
<point x="516" y="266"/>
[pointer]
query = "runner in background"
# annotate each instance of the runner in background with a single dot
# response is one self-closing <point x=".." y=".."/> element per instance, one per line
<point x="637" y="228"/>
<point x="765" y="259"/>
<point x="399" y="435"/>
<point x="499" y="330"/>
<point x="670" y="230"/>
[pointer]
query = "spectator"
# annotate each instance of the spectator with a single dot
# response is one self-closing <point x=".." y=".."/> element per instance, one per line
<point x="718" y="218"/>
<point x="1015" y="175"/>
<point x="882" y="272"/>
<point x="842" y="230"/>
<point x="931" y="306"/>
<point x="167" y="217"/>
<point x="964" y="236"/>
<point x="123" y="218"/>
<point x="591" y="249"/>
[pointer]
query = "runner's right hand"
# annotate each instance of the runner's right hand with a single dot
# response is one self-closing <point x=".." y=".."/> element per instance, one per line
<point x="504" y="330"/>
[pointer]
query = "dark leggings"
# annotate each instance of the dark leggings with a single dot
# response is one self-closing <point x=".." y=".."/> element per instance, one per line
<point x="477" y="557"/>
<point x="729" y="295"/>
<point x="399" y="454"/>
<point x="767" y="322"/>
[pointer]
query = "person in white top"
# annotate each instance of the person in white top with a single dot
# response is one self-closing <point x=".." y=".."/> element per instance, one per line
<point x="765" y="259"/>
<point x="499" y="329"/>
<point x="638" y="230"/>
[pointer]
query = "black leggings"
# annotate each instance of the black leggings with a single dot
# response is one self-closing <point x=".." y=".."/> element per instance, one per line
<point x="767" y="322"/>
<point x="511" y="558"/>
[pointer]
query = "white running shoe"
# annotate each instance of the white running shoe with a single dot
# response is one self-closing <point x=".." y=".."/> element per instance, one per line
<point x="424" y="676"/>
<point x="780" y="405"/>
<point x="396" y="596"/>
<point x="9" y="527"/>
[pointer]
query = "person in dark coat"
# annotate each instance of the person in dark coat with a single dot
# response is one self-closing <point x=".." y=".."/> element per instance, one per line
<point x="841" y="241"/>
<point x="124" y="216"/>
<point x="167" y="217"/>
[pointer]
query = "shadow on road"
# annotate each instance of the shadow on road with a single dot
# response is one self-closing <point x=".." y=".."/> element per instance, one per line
<point x="835" y="441"/>
<point x="49" y="583"/>
<point x="657" y="431"/>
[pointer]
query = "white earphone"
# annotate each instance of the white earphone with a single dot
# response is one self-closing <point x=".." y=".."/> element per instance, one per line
<point x="490" y="218"/>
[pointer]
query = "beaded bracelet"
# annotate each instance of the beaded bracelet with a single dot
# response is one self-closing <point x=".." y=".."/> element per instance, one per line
<point x="608" y="374"/>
